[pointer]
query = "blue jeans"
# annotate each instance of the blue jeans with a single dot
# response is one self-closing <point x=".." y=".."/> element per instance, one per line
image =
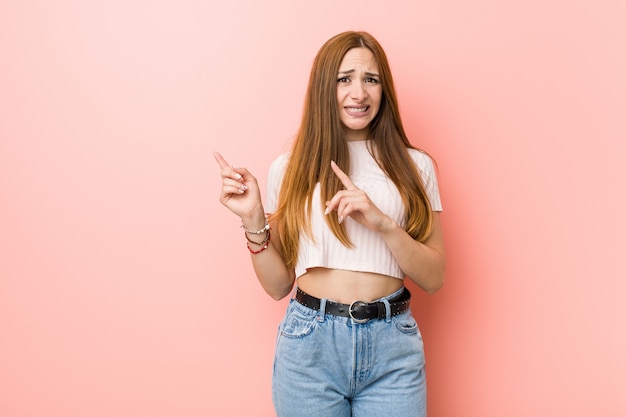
<point x="330" y="366"/>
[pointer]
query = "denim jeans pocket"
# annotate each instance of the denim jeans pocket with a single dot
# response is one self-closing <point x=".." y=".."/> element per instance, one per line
<point x="298" y="322"/>
<point x="406" y="324"/>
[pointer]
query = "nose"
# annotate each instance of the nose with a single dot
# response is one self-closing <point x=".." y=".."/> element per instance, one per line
<point x="358" y="92"/>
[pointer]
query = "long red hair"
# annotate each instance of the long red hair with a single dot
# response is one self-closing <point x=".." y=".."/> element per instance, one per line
<point x="320" y="139"/>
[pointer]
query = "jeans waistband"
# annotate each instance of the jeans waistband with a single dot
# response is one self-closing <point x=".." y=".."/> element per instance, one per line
<point x="359" y="311"/>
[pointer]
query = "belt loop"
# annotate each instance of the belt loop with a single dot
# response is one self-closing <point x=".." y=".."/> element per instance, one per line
<point x="387" y="310"/>
<point x="321" y="314"/>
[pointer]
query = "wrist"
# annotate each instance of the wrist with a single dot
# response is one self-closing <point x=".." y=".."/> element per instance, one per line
<point x="388" y="226"/>
<point x="254" y="221"/>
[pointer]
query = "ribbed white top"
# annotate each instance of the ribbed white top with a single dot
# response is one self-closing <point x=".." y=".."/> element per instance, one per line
<point x="369" y="253"/>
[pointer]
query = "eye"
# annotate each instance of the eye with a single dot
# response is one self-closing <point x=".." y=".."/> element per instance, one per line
<point x="343" y="80"/>
<point x="371" y="80"/>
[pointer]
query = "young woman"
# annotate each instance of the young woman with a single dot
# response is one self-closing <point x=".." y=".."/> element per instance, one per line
<point x="353" y="211"/>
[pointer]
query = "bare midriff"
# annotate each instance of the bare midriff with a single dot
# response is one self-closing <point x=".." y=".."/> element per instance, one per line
<point x="347" y="286"/>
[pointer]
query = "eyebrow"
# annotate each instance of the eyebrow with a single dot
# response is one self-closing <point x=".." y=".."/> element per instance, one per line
<point x="369" y="74"/>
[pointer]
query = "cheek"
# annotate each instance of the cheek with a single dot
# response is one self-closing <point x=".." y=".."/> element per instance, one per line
<point x="375" y="99"/>
<point x="379" y="96"/>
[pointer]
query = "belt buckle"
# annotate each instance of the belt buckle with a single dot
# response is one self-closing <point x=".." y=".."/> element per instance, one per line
<point x="358" y="304"/>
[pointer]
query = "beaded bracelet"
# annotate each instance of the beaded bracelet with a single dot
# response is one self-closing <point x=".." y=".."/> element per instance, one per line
<point x="265" y="244"/>
<point x="258" y="232"/>
<point x="256" y="243"/>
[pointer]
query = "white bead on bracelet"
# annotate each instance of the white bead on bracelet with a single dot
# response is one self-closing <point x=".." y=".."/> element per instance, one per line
<point x="257" y="232"/>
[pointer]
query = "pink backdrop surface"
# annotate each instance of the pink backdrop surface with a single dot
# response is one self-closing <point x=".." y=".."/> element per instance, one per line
<point x="125" y="288"/>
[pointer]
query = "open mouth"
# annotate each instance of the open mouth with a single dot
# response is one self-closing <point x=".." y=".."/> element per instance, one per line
<point x="357" y="110"/>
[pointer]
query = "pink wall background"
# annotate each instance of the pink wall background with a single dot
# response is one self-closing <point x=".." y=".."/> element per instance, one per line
<point x="125" y="288"/>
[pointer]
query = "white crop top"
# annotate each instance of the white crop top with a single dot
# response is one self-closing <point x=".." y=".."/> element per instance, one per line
<point x="369" y="253"/>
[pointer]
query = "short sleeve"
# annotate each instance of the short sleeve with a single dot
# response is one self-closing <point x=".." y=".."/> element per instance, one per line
<point x="426" y="169"/>
<point x="274" y="180"/>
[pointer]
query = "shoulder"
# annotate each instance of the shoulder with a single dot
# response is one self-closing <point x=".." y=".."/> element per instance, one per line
<point x="274" y="180"/>
<point x="423" y="161"/>
<point x="279" y="164"/>
<point x="278" y="168"/>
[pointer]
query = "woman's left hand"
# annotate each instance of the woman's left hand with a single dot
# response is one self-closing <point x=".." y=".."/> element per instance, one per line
<point x="355" y="203"/>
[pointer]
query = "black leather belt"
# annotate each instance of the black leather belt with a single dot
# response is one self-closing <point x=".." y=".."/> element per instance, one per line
<point x="359" y="311"/>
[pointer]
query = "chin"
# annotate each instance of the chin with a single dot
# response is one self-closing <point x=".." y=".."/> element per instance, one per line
<point x="357" y="128"/>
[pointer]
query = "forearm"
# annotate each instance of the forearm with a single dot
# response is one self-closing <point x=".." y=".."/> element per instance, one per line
<point x="423" y="263"/>
<point x="273" y="275"/>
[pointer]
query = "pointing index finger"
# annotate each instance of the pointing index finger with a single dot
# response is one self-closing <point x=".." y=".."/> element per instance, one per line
<point x="345" y="180"/>
<point x="220" y="160"/>
<point x="223" y="164"/>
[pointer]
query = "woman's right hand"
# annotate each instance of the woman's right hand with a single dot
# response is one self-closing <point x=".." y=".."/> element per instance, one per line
<point x="240" y="192"/>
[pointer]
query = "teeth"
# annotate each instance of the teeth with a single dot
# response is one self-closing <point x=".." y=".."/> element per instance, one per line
<point x="356" y="109"/>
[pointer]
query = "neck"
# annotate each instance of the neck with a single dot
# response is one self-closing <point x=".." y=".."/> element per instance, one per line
<point x="355" y="135"/>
